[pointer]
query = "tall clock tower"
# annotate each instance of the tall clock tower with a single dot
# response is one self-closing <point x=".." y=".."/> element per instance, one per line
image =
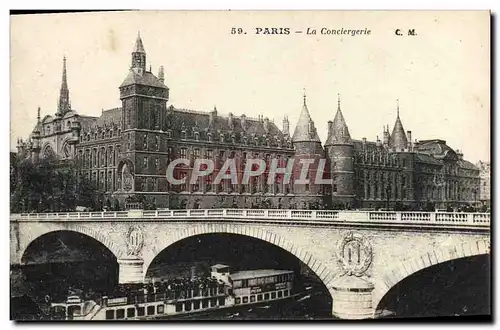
<point x="144" y="99"/>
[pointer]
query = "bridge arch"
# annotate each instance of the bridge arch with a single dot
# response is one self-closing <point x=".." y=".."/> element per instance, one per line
<point x="409" y="266"/>
<point x="36" y="232"/>
<point x="325" y="274"/>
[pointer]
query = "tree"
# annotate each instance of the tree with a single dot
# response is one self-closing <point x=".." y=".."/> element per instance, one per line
<point x="49" y="185"/>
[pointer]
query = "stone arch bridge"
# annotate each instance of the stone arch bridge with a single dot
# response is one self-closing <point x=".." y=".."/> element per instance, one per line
<point x="359" y="256"/>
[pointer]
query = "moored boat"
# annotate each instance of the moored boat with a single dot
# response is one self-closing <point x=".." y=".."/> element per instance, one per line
<point x="222" y="290"/>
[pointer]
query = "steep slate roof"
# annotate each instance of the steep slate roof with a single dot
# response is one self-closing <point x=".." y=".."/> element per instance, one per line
<point x="178" y="118"/>
<point x="426" y="158"/>
<point x="437" y="148"/>
<point x="466" y="164"/>
<point x="302" y="131"/>
<point x="398" y="138"/>
<point x="86" y="122"/>
<point x="110" y="116"/>
<point x="369" y="145"/>
<point x="146" y="79"/>
<point x="339" y="132"/>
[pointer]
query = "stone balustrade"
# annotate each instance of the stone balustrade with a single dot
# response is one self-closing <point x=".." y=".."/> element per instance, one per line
<point x="383" y="218"/>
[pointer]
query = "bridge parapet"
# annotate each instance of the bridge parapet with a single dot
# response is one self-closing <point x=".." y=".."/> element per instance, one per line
<point x="450" y="220"/>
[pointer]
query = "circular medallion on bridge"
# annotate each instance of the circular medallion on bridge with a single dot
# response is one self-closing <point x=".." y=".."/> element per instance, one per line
<point x="135" y="240"/>
<point x="354" y="254"/>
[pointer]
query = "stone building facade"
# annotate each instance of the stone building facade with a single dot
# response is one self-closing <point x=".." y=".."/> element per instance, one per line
<point x="485" y="184"/>
<point x="126" y="151"/>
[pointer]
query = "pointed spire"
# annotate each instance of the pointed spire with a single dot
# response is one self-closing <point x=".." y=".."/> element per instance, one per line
<point x="63" y="103"/>
<point x="398" y="138"/>
<point x="339" y="132"/>
<point x="139" y="56"/>
<point x="139" y="47"/>
<point x="38" y="115"/>
<point x="305" y="130"/>
<point x="64" y="75"/>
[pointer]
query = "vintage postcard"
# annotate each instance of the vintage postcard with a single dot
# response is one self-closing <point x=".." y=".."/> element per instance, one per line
<point x="250" y="165"/>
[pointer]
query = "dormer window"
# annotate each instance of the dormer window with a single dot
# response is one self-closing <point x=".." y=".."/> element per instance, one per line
<point x="233" y="138"/>
<point x="169" y="134"/>
<point x="222" y="138"/>
<point x="256" y="140"/>
<point x="209" y="136"/>
<point x="183" y="135"/>
<point x="197" y="136"/>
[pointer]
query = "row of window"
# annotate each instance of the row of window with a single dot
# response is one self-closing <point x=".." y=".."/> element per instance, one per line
<point x="262" y="297"/>
<point x="103" y="134"/>
<point x="380" y="158"/>
<point x="222" y="138"/>
<point x="119" y="313"/>
<point x="245" y="283"/>
<point x="152" y="310"/>
<point x="254" y="186"/>
<point x="99" y="157"/>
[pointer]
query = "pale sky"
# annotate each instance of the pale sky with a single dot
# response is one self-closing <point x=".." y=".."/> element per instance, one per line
<point x="441" y="76"/>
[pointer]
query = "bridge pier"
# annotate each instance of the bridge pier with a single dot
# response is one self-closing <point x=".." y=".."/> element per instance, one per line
<point x="352" y="298"/>
<point x="130" y="270"/>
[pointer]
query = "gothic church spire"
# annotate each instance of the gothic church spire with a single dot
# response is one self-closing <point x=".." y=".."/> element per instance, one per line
<point x="64" y="104"/>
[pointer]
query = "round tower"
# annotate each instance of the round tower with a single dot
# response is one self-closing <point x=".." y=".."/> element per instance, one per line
<point x="308" y="153"/>
<point x="340" y="152"/>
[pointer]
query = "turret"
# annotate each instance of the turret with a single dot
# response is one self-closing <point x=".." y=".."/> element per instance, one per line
<point x="307" y="147"/>
<point x="75" y="132"/>
<point x="398" y="140"/>
<point x="36" y="137"/>
<point x="340" y="151"/>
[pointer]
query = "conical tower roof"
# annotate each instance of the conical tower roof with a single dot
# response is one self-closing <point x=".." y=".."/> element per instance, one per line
<point x="305" y="131"/>
<point x="398" y="138"/>
<point x="139" y="47"/>
<point x="338" y="131"/>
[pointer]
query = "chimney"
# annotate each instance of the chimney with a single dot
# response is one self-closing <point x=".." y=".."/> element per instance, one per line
<point x="266" y="124"/>
<point x="408" y="135"/>
<point x="211" y="116"/>
<point x="230" y="120"/>
<point x="329" y="130"/>
<point x="386" y="136"/>
<point x="378" y="142"/>
<point x="161" y="74"/>
<point x="286" y="126"/>
<point x="243" y="122"/>
<point x="364" y="141"/>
